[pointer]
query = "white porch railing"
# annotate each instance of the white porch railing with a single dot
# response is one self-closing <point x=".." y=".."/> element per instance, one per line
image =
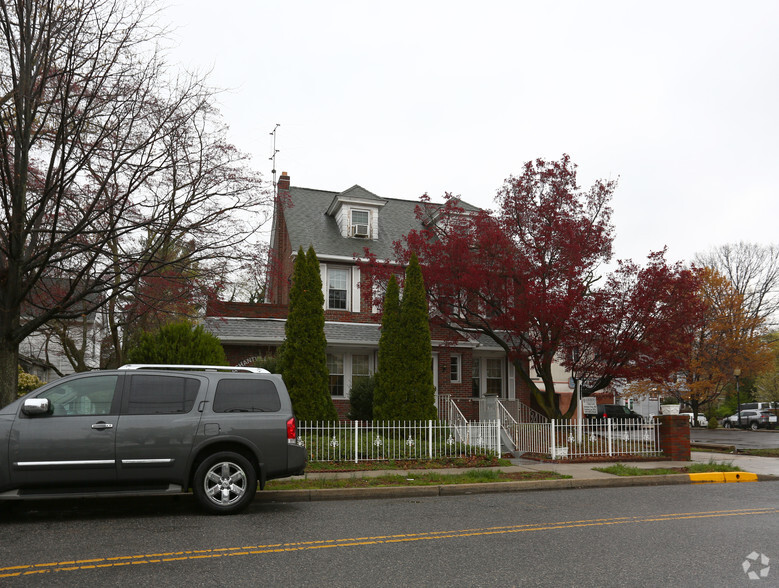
<point x="521" y="412"/>
<point x="373" y="441"/>
<point x="561" y="439"/>
<point x="449" y="413"/>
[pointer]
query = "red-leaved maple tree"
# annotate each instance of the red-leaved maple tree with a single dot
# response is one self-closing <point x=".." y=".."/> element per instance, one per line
<point x="527" y="276"/>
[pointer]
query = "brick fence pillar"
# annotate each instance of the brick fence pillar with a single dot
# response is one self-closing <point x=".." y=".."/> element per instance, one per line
<point x="675" y="436"/>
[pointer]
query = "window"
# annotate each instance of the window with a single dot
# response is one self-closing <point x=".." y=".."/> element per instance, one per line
<point x="83" y="397"/>
<point x="494" y="376"/>
<point x="361" y="224"/>
<point x="455" y="362"/>
<point x="161" y="395"/>
<point x="361" y="370"/>
<point x="246" y="395"/>
<point x="337" y="288"/>
<point x="476" y="379"/>
<point x="335" y="365"/>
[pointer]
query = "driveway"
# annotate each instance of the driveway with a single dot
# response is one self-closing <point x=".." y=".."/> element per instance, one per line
<point x="741" y="439"/>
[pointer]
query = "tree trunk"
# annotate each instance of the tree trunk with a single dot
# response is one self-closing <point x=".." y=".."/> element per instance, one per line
<point x="9" y="371"/>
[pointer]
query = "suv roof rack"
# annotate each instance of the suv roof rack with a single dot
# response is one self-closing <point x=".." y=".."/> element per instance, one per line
<point x="199" y="368"/>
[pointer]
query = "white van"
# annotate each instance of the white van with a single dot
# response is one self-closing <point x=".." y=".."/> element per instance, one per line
<point x="702" y="420"/>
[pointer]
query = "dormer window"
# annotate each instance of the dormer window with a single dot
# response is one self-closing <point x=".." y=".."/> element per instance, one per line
<point x="356" y="212"/>
<point x="361" y="227"/>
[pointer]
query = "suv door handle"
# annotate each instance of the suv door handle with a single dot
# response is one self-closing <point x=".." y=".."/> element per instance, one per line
<point x="101" y="425"/>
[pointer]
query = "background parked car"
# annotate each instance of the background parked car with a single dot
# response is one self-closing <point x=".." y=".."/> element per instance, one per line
<point x="702" y="420"/>
<point x="760" y="406"/>
<point x="754" y="419"/>
<point x="615" y="411"/>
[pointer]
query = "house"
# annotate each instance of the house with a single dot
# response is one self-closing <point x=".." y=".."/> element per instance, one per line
<point x="340" y="225"/>
<point x="51" y="351"/>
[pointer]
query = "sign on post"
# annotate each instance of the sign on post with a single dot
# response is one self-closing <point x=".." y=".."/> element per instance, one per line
<point x="590" y="405"/>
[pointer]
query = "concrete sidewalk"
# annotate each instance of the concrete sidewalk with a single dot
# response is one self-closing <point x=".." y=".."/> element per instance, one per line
<point x="762" y="466"/>
<point x="766" y="466"/>
<point x="582" y="475"/>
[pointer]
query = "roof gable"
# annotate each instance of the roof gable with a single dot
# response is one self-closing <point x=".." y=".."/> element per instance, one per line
<point x="355" y="195"/>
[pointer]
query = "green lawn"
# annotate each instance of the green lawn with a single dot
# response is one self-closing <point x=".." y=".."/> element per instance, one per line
<point x="760" y="452"/>
<point x="774" y="452"/>
<point x="623" y="470"/>
<point x="394" y="480"/>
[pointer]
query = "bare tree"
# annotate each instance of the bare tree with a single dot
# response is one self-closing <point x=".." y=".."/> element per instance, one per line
<point x="106" y="159"/>
<point x="753" y="270"/>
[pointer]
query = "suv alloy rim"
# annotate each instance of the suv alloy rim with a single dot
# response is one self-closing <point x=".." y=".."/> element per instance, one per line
<point x="225" y="483"/>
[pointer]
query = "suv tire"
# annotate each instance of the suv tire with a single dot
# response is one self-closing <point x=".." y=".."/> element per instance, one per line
<point x="754" y="425"/>
<point x="225" y="483"/>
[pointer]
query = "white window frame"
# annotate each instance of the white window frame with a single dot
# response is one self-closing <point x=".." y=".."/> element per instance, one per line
<point x="347" y="357"/>
<point x="342" y="357"/>
<point x="331" y="270"/>
<point x="480" y="375"/>
<point x="354" y="354"/>
<point x="488" y="378"/>
<point x="354" y="225"/>
<point x="455" y="368"/>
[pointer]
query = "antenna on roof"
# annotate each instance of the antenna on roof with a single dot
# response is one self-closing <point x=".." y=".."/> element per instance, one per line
<point x="273" y="155"/>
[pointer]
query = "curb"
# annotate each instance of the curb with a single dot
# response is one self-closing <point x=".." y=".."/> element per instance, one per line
<point x="715" y="446"/>
<point x="317" y="495"/>
<point x="722" y="477"/>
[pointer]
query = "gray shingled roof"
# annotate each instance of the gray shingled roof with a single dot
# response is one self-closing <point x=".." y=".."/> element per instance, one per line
<point x="308" y="224"/>
<point x="269" y="331"/>
<point x="263" y="331"/>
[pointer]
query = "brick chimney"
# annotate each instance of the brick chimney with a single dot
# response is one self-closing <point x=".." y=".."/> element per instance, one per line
<point x="283" y="183"/>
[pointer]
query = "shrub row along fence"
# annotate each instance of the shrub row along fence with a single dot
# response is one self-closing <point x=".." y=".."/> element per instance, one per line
<point x="564" y="439"/>
<point x="375" y="441"/>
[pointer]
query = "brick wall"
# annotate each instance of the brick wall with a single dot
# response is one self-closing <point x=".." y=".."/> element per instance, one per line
<point x="675" y="436"/>
<point x="342" y="407"/>
<point x="219" y="308"/>
<point x="344" y="316"/>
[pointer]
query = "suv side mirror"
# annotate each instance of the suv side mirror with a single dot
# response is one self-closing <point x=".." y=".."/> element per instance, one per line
<point x="36" y="406"/>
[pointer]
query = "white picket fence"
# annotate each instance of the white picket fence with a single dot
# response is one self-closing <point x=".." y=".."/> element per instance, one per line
<point x="373" y="441"/>
<point x="565" y="439"/>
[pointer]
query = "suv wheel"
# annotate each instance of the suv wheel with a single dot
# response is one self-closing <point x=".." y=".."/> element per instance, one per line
<point x="726" y="424"/>
<point x="754" y="425"/>
<point x="225" y="483"/>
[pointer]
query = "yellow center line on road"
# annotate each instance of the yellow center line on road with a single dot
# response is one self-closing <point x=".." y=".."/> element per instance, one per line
<point x="197" y="554"/>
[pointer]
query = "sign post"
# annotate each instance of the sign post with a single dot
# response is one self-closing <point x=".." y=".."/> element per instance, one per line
<point x="576" y="385"/>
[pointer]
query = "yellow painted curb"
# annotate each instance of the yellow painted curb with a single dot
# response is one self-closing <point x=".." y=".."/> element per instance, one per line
<point x="721" y="477"/>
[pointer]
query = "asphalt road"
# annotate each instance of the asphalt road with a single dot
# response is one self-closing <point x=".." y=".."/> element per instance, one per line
<point x="696" y="535"/>
<point x="746" y="439"/>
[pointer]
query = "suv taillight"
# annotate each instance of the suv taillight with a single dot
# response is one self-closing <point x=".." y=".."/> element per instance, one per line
<point x="292" y="430"/>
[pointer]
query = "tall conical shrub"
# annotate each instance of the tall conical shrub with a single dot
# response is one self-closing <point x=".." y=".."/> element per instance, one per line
<point x="417" y="373"/>
<point x="303" y="356"/>
<point x="388" y="396"/>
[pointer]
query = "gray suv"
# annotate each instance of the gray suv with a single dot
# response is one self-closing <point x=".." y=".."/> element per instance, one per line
<point x="145" y="429"/>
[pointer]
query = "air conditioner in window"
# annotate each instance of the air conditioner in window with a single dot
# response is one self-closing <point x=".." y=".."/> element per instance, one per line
<point x="360" y="231"/>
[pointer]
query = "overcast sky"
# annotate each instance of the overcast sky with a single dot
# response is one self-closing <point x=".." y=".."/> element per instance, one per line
<point x="679" y="100"/>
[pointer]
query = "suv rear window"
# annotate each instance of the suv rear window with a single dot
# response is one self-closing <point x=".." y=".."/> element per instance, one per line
<point x="246" y="395"/>
<point x="161" y="394"/>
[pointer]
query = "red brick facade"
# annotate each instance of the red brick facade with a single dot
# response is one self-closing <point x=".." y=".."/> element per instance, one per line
<point x="447" y="342"/>
<point x="675" y="437"/>
<point x="282" y="261"/>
